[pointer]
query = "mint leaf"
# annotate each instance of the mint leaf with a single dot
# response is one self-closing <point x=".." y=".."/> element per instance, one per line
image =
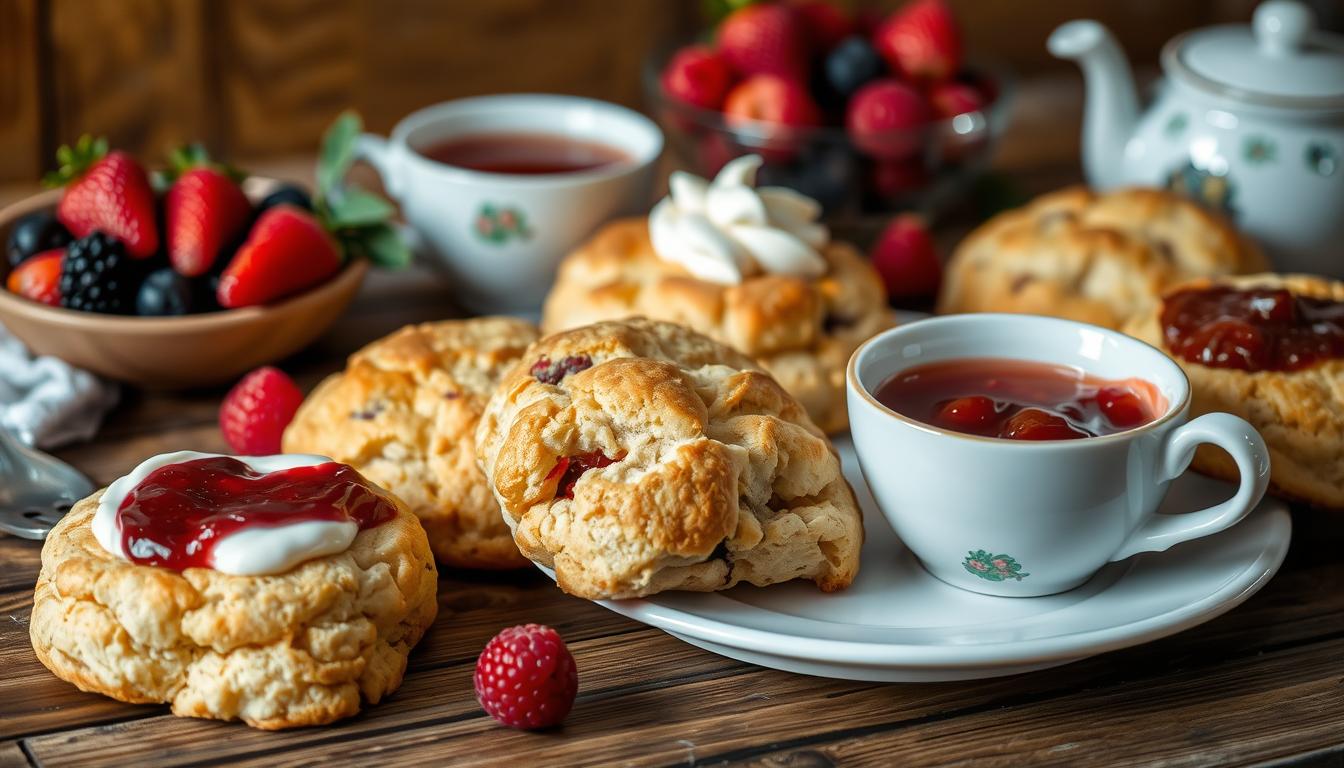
<point x="338" y="151"/>
<point x="383" y="246"/>
<point x="354" y="207"/>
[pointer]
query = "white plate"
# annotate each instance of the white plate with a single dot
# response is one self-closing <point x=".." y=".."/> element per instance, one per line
<point x="898" y="623"/>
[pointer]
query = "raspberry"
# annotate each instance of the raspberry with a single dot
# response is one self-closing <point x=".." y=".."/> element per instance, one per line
<point x="256" y="411"/>
<point x="526" y="678"/>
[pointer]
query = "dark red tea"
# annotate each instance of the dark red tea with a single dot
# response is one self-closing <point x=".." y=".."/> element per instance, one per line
<point x="531" y="154"/>
<point x="1019" y="399"/>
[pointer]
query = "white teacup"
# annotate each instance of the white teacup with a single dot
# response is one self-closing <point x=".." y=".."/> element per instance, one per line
<point x="501" y="236"/>
<point x="1020" y="518"/>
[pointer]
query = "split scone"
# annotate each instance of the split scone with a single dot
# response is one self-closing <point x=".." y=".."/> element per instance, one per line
<point x="1270" y="349"/>
<point x="288" y="623"/>
<point x="637" y="456"/>
<point x="749" y="267"/>
<point x="404" y="413"/>
<point x="1101" y="258"/>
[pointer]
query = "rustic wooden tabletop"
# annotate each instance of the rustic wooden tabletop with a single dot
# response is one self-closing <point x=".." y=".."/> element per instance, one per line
<point x="1263" y="684"/>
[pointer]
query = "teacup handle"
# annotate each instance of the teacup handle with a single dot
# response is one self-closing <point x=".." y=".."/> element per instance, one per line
<point x="378" y="152"/>
<point x="1238" y="438"/>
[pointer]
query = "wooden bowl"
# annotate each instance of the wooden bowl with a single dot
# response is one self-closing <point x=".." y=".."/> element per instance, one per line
<point x="174" y="352"/>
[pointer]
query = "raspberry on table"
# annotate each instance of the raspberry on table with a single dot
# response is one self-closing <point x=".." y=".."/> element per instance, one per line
<point x="256" y="411"/>
<point x="526" y="677"/>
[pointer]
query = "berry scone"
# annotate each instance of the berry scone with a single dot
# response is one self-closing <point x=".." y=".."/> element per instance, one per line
<point x="1270" y="349"/>
<point x="638" y="456"/>
<point x="1101" y="258"/>
<point x="404" y="413"/>
<point x="278" y="590"/>
<point x="750" y="267"/>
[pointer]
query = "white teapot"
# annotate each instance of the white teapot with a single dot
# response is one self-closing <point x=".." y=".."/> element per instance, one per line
<point x="1250" y="120"/>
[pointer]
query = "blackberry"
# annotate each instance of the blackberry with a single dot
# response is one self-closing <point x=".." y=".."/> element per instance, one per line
<point x="98" y="276"/>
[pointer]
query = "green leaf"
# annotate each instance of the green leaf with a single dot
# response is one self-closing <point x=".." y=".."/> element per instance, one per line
<point x="382" y="245"/>
<point x="354" y="207"/>
<point x="338" y="151"/>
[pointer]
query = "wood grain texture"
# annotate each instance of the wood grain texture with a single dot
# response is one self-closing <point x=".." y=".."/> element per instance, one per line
<point x="12" y="756"/>
<point x="20" y="89"/>
<point x="132" y="70"/>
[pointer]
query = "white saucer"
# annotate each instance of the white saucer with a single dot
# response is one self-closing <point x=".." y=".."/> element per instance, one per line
<point x="897" y="623"/>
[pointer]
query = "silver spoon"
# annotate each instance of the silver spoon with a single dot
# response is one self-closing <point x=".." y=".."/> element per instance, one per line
<point x="36" y="490"/>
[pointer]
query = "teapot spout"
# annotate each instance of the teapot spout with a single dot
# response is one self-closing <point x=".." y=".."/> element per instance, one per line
<point x="1111" y="108"/>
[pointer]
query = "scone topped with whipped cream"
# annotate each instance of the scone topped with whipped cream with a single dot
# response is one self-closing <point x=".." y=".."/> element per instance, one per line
<point x="278" y="590"/>
<point x="749" y="266"/>
<point x="404" y="412"/>
<point x="637" y="456"/>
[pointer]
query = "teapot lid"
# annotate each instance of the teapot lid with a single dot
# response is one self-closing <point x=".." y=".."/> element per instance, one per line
<point x="1281" y="60"/>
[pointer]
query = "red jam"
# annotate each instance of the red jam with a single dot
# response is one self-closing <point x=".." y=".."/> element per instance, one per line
<point x="1019" y="399"/>
<point x="177" y="514"/>
<point x="568" y="470"/>
<point x="1252" y="330"/>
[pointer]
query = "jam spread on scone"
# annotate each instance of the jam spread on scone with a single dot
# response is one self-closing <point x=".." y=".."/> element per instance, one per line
<point x="1255" y="329"/>
<point x="177" y="514"/>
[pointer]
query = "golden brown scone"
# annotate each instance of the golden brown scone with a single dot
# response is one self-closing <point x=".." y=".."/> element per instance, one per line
<point x="297" y="648"/>
<point x="404" y="414"/>
<point x="717" y="474"/>
<point x="1299" y="413"/>
<point x="1101" y="258"/>
<point x="801" y="330"/>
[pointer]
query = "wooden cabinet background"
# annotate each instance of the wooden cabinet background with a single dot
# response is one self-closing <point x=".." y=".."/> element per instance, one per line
<point x="258" y="78"/>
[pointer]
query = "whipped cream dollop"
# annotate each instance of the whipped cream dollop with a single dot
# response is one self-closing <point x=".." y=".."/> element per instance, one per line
<point x="247" y="552"/>
<point x="728" y="230"/>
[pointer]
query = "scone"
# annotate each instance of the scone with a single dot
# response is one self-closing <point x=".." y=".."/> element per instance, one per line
<point x="1101" y="258"/>
<point x="748" y="267"/>
<point x="300" y="646"/>
<point x="1296" y="403"/>
<point x="637" y="456"/>
<point x="404" y="414"/>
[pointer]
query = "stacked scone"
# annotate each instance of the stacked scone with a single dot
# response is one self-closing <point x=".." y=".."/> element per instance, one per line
<point x="750" y="267"/>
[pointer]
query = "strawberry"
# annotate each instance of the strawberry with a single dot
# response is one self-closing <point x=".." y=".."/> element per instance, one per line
<point x="286" y="251"/>
<point x="886" y="119"/>
<point x="825" y="23"/>
<point x="205" y="211"/>
<point x="765" y="39"/>
<point x="106" y="191"/>
<point x="921" y="41"/>
<point x="255" y="412"/>
<point x="38" y="277"/>
<point x="698" y="76"/>
<point x="770" y="99"/>
<point x="952" y="99"/>
<point x="905" y="256"/>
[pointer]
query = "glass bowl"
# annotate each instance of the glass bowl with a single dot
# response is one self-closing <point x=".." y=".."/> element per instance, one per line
<point x="925" y="170"/>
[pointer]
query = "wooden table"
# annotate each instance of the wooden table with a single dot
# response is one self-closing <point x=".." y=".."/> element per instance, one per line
<point x="1262" y="684"/>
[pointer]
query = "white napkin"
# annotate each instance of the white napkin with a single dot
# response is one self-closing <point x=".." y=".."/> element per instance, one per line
<point x="44" y="401"/>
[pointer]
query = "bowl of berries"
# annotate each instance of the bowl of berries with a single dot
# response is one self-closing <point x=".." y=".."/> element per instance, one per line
<point x="868" y="115"/>
<point x="190" y="276"/>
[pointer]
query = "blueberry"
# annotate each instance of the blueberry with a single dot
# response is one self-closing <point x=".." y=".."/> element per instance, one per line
<point x="853" y="63"/>
<point x="34" y="233"/>
<point x="286" y="193"/>
<point x="165" y="292"/>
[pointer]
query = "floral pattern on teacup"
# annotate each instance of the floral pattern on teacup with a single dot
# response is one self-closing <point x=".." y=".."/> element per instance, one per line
<point x="992" y="567"/>
<point x="500" y="223"/>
